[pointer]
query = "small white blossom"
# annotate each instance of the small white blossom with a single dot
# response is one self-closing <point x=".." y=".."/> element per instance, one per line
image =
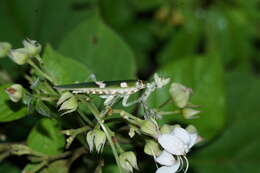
<point x="180" y="94"/>
<point x="179" y="141"/>
<point x="15" y="92"/>
<point x="19" y="56"/>
<point x="166" y="159"/>
<point x="128" y="161"/>
<point x="5" y="47"/>
<point x="96" y="138"/>
<point x="32" y="47"/>
<point x="189" y="113"/>
<point x="67" y="102"/>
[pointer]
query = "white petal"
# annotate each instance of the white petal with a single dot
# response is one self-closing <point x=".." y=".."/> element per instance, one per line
<point x="169" y="169"/>
<point x="172" y="144"/>
<point x="166" y="159"/>
<point x="193" y="139"/>
<point x="182" y="134"/>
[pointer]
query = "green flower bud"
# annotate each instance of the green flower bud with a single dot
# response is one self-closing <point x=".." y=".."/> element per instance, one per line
<point x="4" y="49"/>
<point x="180" y="94"/>
<point x="191" y="129"/>
<point x="189" y="113"/>
<point x="166" y="129"/>
<point x="19" y="56"/>
<point x="33" y="47"/>
<point x="68" y="102"/>
<point x="96" y="138"/>
<point x="128" y="161"/>
<point x="152" y="148"/>
<point x="15" y="92"/>
<point x="150" y="127"/>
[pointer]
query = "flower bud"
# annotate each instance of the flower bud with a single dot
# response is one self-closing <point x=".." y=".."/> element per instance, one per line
<point x="68" y="102"/>
<point x="189" y="113"/>
<point x="15" y="92"/>
<point x="19" y="56"/>
<point x="152" y="148"/>
<point x="150" y="127"/>
<point x="4" y="49"/>
<point x="128" y="161"/>
<point x="96" y="137"/>
<point x="166" y="129"/>
<point x="180" y="94"/>
<point x="33" y="47"/>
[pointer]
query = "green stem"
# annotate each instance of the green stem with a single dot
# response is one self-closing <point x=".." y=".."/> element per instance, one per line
<point x="170" y="112"/>
<point x="129" y="117"/>
<point x="96" y="113"/>
<point x="40" y="71"/>
<point x="86" y="119"/>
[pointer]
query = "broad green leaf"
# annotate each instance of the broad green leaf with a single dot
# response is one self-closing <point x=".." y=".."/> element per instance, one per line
<point x="60" y="166"/>
<point x="228" y="33"/>
<point x="32" y="167"/>
<point x="95" y="45"/>
<point x="63" y="70"/>
<point x="117" y="13"/>
<point x="183" y="42"/>
<point x="38" y="19"/>
<point x="46" y="137"/>
<point x="7" y="167"/>
<point x="237" y="149"/>
<point x="10" y="111"/>
<point x="205" y="77"/>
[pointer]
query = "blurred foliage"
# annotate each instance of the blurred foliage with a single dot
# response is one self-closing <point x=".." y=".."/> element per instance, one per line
<point x="212" y="46"/>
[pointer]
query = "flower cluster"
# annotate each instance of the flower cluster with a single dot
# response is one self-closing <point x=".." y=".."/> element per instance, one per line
<point x="21" y="55"/>
<point x="176" y="145"/>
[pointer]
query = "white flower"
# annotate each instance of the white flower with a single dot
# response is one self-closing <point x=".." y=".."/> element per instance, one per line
<point x="15" y="92"/>
<point x="67" y="102"/>
<point x="179" y="141"/>
<point x="166" y="159"/>
<point x="5" y="47"/>
<point x="33" y="47"/>
<point x="19" y="56"/>
<point x="180" y="94"/>
<point x="169" y="169"/>
<point x="170" y="164"/>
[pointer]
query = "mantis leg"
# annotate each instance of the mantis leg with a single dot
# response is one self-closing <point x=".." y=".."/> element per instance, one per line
<point x="125" y="100"/>
<point x="110" y="100"/>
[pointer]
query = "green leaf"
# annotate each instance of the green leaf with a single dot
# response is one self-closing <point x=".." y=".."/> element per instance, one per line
<point x="205" y="77"/>
<point x="10" y="111"/>
<point x="229" y="33"/>
<point x="183" y="42"/>
<point x="237" y="149"/>
<point x="32" y="167"/>
<point x="46" y="137"/>
<point x="8" y="168"/>
<point x="63" y="70"/>
<point x="99" y="48"/>
<point x="39" y="19"/>
<point x="43" y="109"/>
<point x="60" y="166"/>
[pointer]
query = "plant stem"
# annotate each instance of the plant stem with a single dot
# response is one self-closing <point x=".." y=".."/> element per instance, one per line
<point x="40" y="71"/>
<point x="86" y="119"/>
<point x="96" y="113"/>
